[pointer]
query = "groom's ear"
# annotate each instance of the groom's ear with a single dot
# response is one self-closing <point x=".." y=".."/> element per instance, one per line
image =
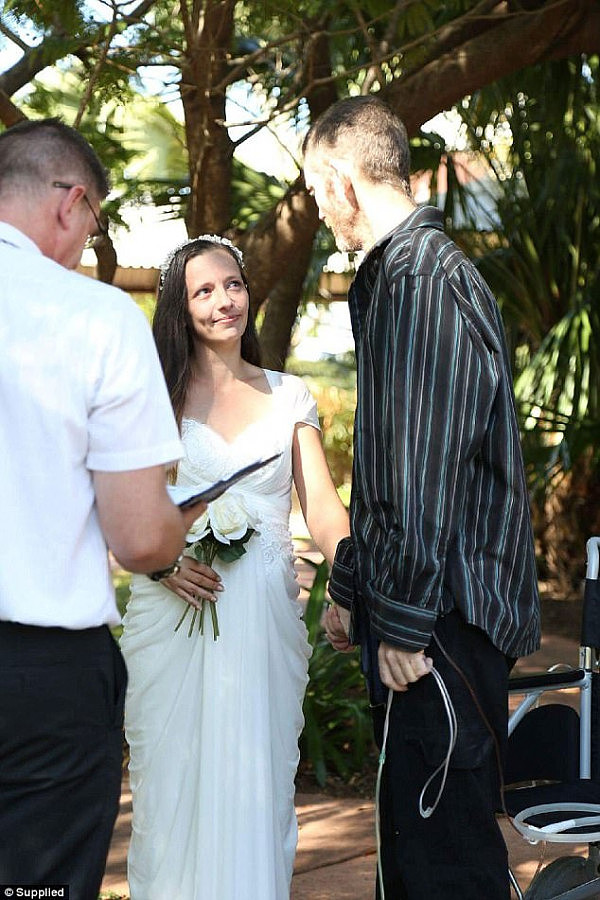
<point x="343" y="181"/>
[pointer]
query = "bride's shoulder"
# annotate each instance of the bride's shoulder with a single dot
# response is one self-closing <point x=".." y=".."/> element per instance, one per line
<point x="286" y="382"/>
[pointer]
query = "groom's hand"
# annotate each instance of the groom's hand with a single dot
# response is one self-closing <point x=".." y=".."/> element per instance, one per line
<point x="399" y="668"/>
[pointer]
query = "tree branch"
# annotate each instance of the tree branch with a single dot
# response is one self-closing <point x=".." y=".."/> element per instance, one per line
<point x="9" y="113"/>
<point x="95" y="74"/>
<point x="7" y="32"/>
<point x="56" y="45"/>
<point x="552" y="32"/>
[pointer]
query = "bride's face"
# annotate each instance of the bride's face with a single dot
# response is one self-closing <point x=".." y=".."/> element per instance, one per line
<point x="217" y="297"/>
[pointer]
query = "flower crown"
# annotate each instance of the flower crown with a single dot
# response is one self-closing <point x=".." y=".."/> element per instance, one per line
<point x="212" y="239"/>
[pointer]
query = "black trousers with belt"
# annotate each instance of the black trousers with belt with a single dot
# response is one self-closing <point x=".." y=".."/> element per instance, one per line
<point x="61" y="713"/>
<point x="458" y="852"/>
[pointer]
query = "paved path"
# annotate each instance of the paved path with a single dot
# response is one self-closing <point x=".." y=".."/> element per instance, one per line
<point x="336" y="858"/>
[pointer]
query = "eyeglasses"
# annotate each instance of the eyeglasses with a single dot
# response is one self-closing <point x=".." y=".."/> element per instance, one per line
<point x="102" y="229"/>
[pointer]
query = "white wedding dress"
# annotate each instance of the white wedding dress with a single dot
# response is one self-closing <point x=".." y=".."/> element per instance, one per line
<point x="213" y="726"/>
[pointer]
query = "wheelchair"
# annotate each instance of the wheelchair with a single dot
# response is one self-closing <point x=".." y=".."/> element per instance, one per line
<point x="552" y="772"/>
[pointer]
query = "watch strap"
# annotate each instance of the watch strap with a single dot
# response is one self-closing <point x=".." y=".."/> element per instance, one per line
<point x="166" y="573"/>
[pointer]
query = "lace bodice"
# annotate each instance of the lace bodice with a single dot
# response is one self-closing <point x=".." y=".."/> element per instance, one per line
<point x="267" y="492"/>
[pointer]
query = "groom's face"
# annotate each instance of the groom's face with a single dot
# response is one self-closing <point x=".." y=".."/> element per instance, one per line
<point x="335" y="199"/>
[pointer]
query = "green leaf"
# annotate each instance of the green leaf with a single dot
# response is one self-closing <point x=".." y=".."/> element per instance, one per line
<point x="245" y="538"/>
<point x="337" y="735"/>
<point x="230" y="552"/>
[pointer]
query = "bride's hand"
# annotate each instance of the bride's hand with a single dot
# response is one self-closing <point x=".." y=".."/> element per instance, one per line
<point x="194" y="582"/>
<point x="337" y="628"/>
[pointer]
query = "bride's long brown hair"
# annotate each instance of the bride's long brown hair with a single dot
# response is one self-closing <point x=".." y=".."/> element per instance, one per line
<point x="171" y="324"/>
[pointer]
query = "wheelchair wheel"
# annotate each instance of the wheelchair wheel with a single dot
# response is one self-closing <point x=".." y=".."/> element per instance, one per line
<point x="560" y="875"/>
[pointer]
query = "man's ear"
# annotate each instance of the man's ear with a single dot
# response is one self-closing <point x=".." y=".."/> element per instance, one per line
<point x="343" y="182"/>
<point x="68" y="202"/>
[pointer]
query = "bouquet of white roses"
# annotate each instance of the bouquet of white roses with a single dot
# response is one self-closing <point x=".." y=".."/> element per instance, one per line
<point x="221" y="531"/>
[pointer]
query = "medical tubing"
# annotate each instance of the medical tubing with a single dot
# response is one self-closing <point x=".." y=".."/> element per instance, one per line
<point x="451" y="715"/>
<point x="443" y="767"/>
<point x="489" y="728"/>
<point x="386" y="726"/>
<point x="445" y="764"/>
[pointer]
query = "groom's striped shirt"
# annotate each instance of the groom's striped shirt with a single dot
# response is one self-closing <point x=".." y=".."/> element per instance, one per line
<point x="439" y="510"/>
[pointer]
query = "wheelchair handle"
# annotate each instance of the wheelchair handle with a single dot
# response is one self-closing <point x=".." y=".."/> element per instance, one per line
<point x="593" y="558"/>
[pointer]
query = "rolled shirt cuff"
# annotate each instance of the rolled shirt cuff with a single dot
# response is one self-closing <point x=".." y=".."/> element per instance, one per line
<point x="341" y="581"/>
<point x="401" y="624"/>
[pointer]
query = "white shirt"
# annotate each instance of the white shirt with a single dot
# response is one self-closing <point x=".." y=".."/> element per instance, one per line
<point x="81" y="389"/>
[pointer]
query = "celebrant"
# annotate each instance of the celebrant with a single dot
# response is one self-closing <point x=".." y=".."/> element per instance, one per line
<point x="86" y="430"/>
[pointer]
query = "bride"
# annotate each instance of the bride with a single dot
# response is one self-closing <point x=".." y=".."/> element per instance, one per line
<point x="213" y="724"/>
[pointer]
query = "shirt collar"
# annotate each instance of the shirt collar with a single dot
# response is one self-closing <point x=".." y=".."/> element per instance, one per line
<point x="359" y="295"/>
<point x="421" y="217"/>
<point x="11" y="235"/>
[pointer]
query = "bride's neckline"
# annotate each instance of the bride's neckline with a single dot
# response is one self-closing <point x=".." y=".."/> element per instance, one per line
<point x="230" y="442"/>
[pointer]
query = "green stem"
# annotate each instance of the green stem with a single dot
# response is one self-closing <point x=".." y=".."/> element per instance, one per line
<point x="215" y="620"/>
<point x="193" y="622"/>
<point x="206" y="556"/>
<point x="185" y="612"/>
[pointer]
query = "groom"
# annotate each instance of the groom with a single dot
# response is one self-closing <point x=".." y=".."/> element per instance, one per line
<point x="440" y="566"/>
<point x="86" y="429"/>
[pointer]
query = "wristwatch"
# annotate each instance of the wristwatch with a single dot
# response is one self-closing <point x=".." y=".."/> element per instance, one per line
<point x="166" y="573"/>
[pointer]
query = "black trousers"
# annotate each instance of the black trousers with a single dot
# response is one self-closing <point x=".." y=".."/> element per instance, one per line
<point x="61" y="713"/>
<point x="459" y="851"/>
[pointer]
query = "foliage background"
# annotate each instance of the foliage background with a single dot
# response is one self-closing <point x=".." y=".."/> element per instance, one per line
<point x="523" y="79"/>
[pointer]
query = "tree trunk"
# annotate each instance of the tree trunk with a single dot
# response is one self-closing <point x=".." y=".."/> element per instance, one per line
<point x="106" y="260"/>
<point x="290" y="237"/>
<point x="283" y="242"/>
<point x="209" y="33"/>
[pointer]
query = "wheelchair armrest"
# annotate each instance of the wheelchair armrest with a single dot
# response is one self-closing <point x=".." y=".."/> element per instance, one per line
<point x="520" y="684"/>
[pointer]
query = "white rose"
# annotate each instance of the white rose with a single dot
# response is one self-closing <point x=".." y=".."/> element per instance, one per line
<point x="228" y="518"/>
